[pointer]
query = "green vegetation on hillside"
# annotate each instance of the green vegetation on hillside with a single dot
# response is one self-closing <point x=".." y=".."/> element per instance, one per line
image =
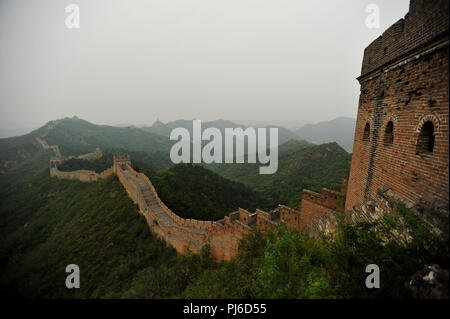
<point x="14" y="150"/>
<point x="75" y="137"/>
<point x="160" y="128"/>
<point x="284" y="263"/>
<point x="191" y="191"/>
<point x="195" y="192"/>
<point x="25" y="169"/>
<point x="300" y="166"/>
<point x="48" y="223"/>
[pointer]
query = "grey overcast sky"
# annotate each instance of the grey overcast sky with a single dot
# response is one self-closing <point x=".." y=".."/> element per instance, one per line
<point x="133" y="61"/>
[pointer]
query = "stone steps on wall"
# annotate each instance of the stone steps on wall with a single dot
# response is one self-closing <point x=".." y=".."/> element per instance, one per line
<point x="153" y="205"/>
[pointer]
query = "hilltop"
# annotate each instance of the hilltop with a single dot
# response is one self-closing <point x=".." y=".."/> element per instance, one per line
<point x="301" y="164"/>
<point x="339" y="130"/>
<point x="158" y="127"/>
<point x="75" y="136"/>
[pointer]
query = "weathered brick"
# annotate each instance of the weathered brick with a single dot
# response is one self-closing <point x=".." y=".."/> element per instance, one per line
<point x="406" y="85"/>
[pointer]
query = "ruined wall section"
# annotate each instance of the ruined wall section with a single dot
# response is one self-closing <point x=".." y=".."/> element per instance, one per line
<point x="315" y="206"/>
<point x="290" y="216"/>
<point x="385" y="201"/>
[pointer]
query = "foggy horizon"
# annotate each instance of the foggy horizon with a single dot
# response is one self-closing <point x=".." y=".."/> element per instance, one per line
<point x="131" y="63"/>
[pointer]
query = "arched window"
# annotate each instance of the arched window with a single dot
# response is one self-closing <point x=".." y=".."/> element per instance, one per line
<point x="389" y="134"/>
<point x="425" y="142"/>
<point x="366" y="134"/>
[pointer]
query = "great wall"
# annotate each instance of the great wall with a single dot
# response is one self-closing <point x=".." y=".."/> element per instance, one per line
<point x="401" y="147"/>
<point x="190" y="235"/>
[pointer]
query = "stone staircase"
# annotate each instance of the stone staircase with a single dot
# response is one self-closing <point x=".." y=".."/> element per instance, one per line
<point x="153" y="204"/>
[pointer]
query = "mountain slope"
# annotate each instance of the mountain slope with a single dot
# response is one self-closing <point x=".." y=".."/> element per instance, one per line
<point x="14" y="150"/>
<point x="299" y="166"/>
<point x="76" y="136"/>
<point x="340" y="130"/>
<point x="164" y="129"/>
<point x="158" y="127"/>
<point x="47" y="224"/>
<point x="195" y="192"/>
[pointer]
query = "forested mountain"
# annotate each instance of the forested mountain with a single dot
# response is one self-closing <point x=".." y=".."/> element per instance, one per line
<point x="47" y="224"/>
<point x="191" y="191"/>
<point x="158" y="127"/>
<point x="14" y="150"/>
<point x="75" y="136"/>
<point x="164" y="129"/>
<point x="195" y="192"/>
<point x="300" y="165"/>
<point x="339" y="130"/>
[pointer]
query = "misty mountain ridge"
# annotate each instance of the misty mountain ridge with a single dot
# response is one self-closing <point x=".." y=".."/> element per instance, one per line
<point x="77" y="136"/>
<point x="301" y="165"/>
<point x="340" y="130"/>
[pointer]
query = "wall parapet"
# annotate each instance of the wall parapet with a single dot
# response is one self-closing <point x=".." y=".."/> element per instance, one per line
<point x="328" y="198"/>
<point x="426" y="21"/>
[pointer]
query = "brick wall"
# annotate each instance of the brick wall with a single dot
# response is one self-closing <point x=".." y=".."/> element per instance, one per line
<point x="425" y="21"/>
<point x="290" y="216"/>
<point x="188" y="235"/>
<point x="311" y="207"/>
<point x="80" y="175"/>
<point x="404" y="86"/>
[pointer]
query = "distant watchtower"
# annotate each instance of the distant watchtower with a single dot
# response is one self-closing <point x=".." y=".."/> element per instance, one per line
<point x="121" y="161"/>
<point x="402" y="129"/>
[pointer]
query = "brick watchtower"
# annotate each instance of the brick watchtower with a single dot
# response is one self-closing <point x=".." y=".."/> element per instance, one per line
<point x="402" y="130"/>
<point x="121" y="160"/>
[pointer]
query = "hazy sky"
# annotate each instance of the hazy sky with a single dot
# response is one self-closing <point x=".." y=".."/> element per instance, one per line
<point x="134" y="61"/>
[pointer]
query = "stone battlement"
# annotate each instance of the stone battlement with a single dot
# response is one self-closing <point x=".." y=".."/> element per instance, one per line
<point x="426" y="22"/>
